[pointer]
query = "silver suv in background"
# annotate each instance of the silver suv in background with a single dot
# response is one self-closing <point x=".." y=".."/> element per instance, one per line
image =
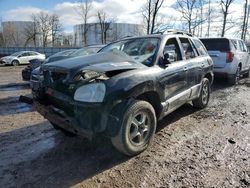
<point x="230" y="57"/>
<point x="22" y="57"/>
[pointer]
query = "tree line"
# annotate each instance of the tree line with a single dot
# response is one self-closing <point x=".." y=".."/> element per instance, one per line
<point x="203" y="18"/>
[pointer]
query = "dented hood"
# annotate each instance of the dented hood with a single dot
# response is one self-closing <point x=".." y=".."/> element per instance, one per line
<point x="100" y="62"/>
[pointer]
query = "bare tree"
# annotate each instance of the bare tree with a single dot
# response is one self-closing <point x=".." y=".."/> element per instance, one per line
<point x="225" y="4"/>
<point x="104" y="23"/>
<point x="150" y="12"/>
<point x="44" y="27"/>
<point x="186" y="8"/>
<point x="245" y="20"/>
<point x="83" y="9"/>
<point x="56" y="28"/>
<point x="31" y="31"/>
<point x="209" y="12"/>
<point x="47" y="27"/>
<point x="11" y="35"/>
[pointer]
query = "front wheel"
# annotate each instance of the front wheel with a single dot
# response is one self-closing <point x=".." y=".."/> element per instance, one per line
<point x="15" y="63"/>
<point x="138" y="126"/>
<point x="203" y="99"/>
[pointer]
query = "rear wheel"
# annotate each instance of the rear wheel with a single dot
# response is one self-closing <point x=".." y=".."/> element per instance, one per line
<point x="234" y="80"/>
<point x="138" y="126"/>
<point x="204" y="96"/>
<point x="247" y="75"/>
<point x="15" y="63"/>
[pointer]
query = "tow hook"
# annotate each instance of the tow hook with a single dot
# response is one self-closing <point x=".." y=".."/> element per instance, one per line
<point x="25" y="99"/>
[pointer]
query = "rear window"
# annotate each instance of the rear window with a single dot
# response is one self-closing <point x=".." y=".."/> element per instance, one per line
<point x="216" y="44"/>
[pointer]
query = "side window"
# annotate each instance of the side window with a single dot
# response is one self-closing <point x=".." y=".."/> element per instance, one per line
<point x="200" y="47"/>
<point x="188" y="49"/>
<point x="24" y="54"/>
<point x="173" y="50"/>
<point x="241" y="46"/>
<point x="244" y="46"/>
<point x="32" y="53"/>
<point x="234" y="42"/>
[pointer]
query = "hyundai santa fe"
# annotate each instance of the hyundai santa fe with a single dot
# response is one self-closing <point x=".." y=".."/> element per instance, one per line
<point x="123" y="90"/>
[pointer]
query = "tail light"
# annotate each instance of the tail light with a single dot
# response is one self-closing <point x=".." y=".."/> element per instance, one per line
<point x="230" y="57"/>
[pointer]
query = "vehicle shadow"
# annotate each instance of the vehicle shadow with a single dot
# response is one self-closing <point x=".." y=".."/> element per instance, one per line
<point x="40" y="155"/>
<point x="11" y="106"/>
<point x="181" y="112"/>
<point x="220" y="83"/>
<point x="14" y="86"/>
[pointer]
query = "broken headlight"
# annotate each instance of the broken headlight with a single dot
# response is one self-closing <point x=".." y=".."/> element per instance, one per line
<point x="93" y="92"/>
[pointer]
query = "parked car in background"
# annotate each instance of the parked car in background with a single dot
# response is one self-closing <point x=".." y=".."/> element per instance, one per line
<point x="230" y="57"/>
<point x="34" y="63"/>
<point x="22" y="57"/>
<point x="123" y="90"/>
<point x="26" y="73"/>
<point x="35" y="74"/>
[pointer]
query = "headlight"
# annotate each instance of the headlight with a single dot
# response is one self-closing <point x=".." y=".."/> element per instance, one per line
<point x="90" y="93"/>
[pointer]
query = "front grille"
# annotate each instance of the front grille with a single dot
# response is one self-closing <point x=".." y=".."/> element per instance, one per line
<point x="58" y="76"/>
<point x="52" y="76"/>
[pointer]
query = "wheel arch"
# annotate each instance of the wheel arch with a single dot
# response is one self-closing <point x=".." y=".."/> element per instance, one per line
<point x="15" y="60"/>
<point x="153" y="98"/>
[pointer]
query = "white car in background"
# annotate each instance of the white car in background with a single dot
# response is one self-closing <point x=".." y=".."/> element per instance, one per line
<point x="22" y="57"/>
<point x="230" y="57"/>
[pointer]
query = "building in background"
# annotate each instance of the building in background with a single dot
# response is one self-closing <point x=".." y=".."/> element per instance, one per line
<point x="20" y="34"/>
<point x="114" y="32"/>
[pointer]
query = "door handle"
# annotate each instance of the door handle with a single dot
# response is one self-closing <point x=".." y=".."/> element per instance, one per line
<point x="185" y="69"/>
<point x="202" y="65"/>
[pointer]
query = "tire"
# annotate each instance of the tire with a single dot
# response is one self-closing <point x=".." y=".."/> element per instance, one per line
<point x="15" y="63"/>
<point x="247" y="75"/>
<point x="234" y="80"/>
<point x="138" y="125"/>
<point x="203" y="99"/>
<point x="65" y="132"/>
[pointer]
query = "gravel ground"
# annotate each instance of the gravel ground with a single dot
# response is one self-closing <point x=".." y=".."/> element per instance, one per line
<point x="206" y="148"/>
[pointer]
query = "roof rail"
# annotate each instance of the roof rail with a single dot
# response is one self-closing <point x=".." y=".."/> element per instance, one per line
<point x="173" y="31"/>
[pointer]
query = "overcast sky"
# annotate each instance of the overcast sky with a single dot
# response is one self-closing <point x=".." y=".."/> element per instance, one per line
<point x="127" y="11"/>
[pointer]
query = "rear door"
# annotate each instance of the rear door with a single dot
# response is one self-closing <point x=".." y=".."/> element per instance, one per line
<point x="243" y="55"/>
<point x="217" y="49"/>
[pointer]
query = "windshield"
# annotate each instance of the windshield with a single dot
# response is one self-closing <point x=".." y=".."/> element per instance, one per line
<point x="142" y="50"/>
<point x="63" y="53"/>
<point x="16" y="54"/>
<point x="85" y="51"/>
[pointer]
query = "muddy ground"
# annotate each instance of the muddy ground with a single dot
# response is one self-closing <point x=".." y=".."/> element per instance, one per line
<point x="206" y="148"/>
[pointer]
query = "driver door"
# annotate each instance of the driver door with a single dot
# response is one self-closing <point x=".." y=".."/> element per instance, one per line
<point x="174" y="77"/>
<point x="23" y="58"/>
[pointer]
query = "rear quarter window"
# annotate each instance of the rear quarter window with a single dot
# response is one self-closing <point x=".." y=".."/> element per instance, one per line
<point x="222" y="45"/>
<point x="200" y="47"/>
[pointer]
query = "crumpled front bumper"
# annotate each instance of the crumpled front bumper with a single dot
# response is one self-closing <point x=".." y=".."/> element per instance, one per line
<point x="79" y="118"/>
<point x="61" y="119"/>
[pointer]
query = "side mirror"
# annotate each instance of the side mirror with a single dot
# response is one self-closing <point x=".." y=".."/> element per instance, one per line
<point x="168" y="58"/>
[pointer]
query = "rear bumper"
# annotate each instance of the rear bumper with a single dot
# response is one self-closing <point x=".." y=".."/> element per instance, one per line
<point x="228" y="69"/>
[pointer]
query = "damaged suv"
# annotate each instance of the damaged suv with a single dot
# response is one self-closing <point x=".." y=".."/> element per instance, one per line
<point x="124" y="89"/>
